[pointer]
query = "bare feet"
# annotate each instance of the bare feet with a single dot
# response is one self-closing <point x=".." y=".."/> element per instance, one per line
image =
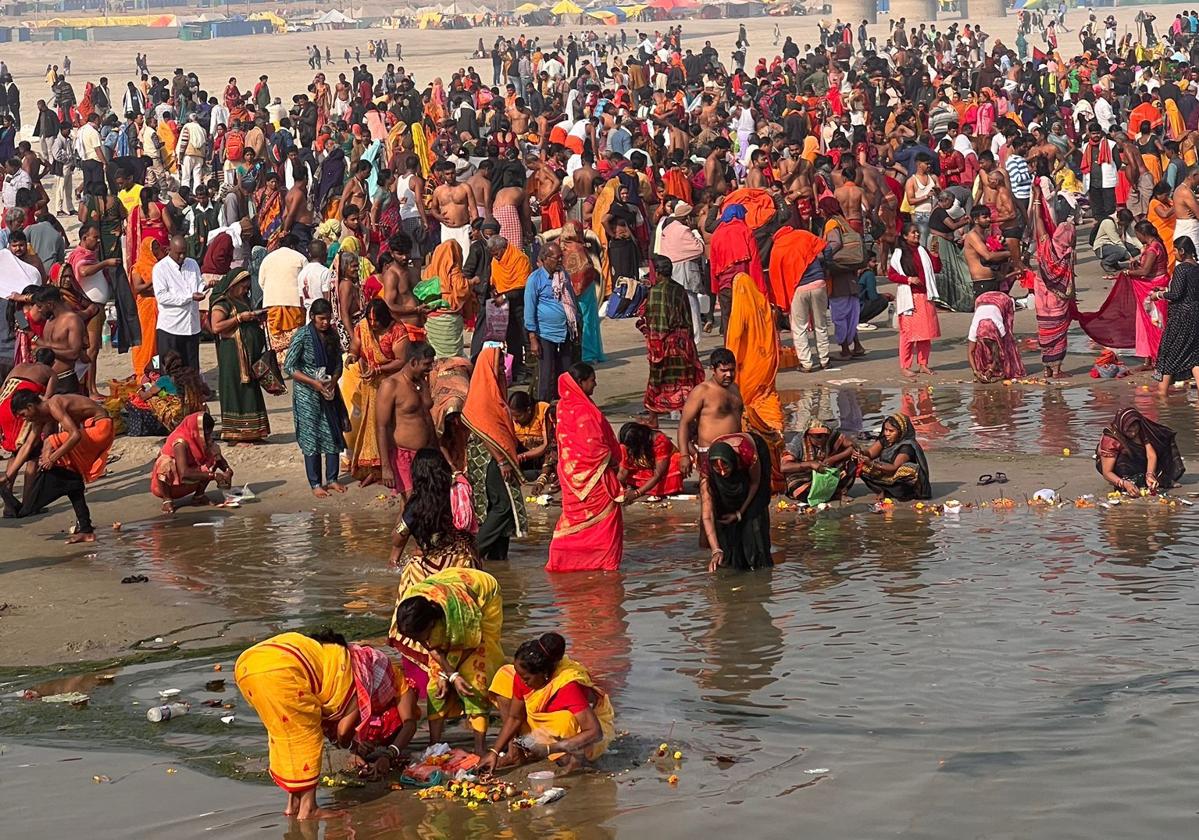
<point x="81" y="538"/>
<point x="169" y="508"/>
<point x="926" y="369"/>
<point x="908" y="373"/>
<point x="335" y="487"/>
<point x="201" y="500"/>
<point x="320" y="492"/>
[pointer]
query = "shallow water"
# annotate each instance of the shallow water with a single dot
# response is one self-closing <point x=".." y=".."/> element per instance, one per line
<point x="1029" y="421"/>
<point x="1023" y="674"/>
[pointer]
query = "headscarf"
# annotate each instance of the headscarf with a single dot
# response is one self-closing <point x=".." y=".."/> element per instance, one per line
<point x="243" y="335"/>
<point x="486" y="410"/>
<point x="587" y="446"/>
<point x="445" y="264"/>
<point x="144" y="265"/>
<point x="733" y="212"/>
<point x="907" y="441"/>
<point x="191" y="432"/>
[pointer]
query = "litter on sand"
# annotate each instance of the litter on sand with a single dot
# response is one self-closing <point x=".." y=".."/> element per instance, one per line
<point x="816" y="771"/>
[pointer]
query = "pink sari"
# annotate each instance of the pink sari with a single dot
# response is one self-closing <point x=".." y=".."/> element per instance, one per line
<point x="1149" y="335"/>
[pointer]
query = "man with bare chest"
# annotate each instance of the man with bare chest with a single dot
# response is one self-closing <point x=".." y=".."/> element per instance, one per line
<point x="583" y="184"/>
<point x="355" y="188"/>
<point x="453" y="206"/>
<point x="1186" y="209"/>
<point x="297" y="215"/>
<point x="66" y="335"/>
<point x="982" y="262"/>
<point x="403" y="417"/>
<point x="715" y="167"/>
<point x="713" y="408"/>
<point x="480" y="185"/>
<point x="851" y="198"/>
<point x="399" y="276"/>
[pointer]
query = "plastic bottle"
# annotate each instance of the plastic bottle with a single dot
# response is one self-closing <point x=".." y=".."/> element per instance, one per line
<point x="166" y="712"/>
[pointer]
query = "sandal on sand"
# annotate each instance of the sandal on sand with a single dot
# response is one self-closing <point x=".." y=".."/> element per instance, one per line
<point x="985" y="479"/>
<point x="1000" y="478"/>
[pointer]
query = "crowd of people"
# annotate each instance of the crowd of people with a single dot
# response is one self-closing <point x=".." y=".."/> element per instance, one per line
<point x="427" y="269"/>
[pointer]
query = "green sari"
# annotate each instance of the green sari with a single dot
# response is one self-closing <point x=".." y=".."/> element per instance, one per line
<point x="243" y="409"/>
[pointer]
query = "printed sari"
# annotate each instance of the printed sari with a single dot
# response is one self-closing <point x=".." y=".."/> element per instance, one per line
<point x="362" y="441"/>
<point x="911" y="480"/>
<point x="1125" y="440"/>
<point x="584" y="276"/>
<point x="1053" y="289"/>
<point x="590" y="532"/>
<point x="993" y="353"/>
<point x="166" y="482"/>
<point x="243" y="408"/>
<point x="468" y="637"/>
<point x="270" y="216"/>
<point x="674" y="365"/>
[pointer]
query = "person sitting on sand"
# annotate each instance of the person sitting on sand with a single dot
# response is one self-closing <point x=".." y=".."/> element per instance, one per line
<point x="894" y="466"/>
<point x="188" y="462"/>
<point x="309" y="688"/>
<point x="1134" y="452"/>
<point x="551" y="708"/>
<point x="73" y="456"/>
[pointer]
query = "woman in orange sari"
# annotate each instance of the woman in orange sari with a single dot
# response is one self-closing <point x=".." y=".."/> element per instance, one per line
<point x="141" y="279"/>
<point x="1161" y="216"/>
<point x="754" y="340"/>
<point x="590" y="533"/>
<point x="377" y="345"/>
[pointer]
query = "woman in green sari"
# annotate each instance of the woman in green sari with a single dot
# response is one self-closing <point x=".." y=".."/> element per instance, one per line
<point x="99" y="207"/>
<point x="240" y="342"/>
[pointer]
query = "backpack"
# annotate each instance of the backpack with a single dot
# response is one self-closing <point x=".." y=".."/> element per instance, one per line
<point x="235" y="145"/>
<point x="852" y="253"/>
<point x="627" y="297"/>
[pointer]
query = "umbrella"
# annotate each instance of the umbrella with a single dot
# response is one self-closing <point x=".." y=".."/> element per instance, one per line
<point x="669" y="5"/>
<point x="566" y="7"/>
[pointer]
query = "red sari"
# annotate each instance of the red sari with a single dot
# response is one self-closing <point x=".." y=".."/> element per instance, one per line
<point x="590" y="533"/>
<point x="165" y="479"/>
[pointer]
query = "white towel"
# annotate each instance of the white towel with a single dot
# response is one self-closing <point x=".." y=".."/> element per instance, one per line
<point x="905" y="303"/>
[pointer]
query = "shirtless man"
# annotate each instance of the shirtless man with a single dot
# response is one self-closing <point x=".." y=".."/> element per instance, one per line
<point x="756" y="176"/>
<point x="583" y="183"/>
<point x="851" y="197"/>
<point x="355" y="188"/>
<point x="398" y="277"/>
<point x="65" y="335"/>
<point x="1010" y="218"/>
<point x="66" y="460"/>
<point x="715" y="165"/>
<point x="1186" y="208"/>
<point x="547" y="186"/>
<point x="978" y="256"/>
<point x="453" y="206"/>
<point x="403" y="418"/>
<point x="297" y="215"/>
<point x="1042" y="148"/>
<point x="38" y="378"/>
<point x="480" y="186"/>
<point x="713" y="407"/>
<point x="511" y="205"/>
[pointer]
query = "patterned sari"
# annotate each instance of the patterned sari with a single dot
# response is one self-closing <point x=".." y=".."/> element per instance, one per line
<point x="1053" y="292"/>
<point x="468" y="637"/>
<point x="373" y="353"/>
<point x="270" y="216"/>
<point x="674" y="365"/>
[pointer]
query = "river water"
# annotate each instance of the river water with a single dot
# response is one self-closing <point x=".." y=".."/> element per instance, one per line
<point x="1019" y="674"/>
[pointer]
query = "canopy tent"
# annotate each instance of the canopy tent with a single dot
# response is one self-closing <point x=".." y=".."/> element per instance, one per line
<point x="604" y="16"/>
<point x="333" y="17"/>
<point x="634" y="10"/>
<point x="566" y="7"/>
<point x="525" y="8"/>
<point x="671" y="5"/>
<point x="279" y="23"/>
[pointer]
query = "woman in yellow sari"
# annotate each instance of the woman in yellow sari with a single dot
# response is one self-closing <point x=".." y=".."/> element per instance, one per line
<point x="1161" y="216"/>
<point x="754" y="340"/>
<point x="141" y="280"/>
<point x="377" y="346"/>
<point x="168" y="133"/>
<point x="457" y="615"/>
<point x="551" y="709"/>
<point x="307" y="688"/>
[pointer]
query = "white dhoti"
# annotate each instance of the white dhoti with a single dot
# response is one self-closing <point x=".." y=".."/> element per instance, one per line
<point x="461" y="234"/>
<point x="1188" y="228"/>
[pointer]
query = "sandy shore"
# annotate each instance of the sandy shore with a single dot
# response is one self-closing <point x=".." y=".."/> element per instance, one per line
<point x="56" y="607"/>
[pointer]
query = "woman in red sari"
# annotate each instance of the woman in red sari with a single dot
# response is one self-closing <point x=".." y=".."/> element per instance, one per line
<point x="148" y="220"/>
<point x="188" y="461"/>
<point x="1146" y="277"/>
<point x="590" y="533"/>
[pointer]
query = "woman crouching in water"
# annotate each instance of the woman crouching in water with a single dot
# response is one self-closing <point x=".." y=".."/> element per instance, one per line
<point x="551" y="708"/>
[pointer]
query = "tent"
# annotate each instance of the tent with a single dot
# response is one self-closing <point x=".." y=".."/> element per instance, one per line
<point x="525" y="8"/>
<point x="605" y="17"/>
<point x="334" y="19"/>
<point x="566" y="7"/>
<point x="672" y="5"/>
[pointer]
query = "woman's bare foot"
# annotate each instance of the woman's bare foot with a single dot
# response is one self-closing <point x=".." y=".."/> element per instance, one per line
<point x="335" y="487"/>
<point x="320" y="492"/>
<point x="908" y="373"/>
<point x="201" y="500"/>
<point x="81" y="538"/>
<point x="368" y="481"/>
<point x="925" y="369"/>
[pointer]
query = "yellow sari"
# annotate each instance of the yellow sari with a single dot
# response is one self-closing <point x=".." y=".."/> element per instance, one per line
<point x="295" y="682"/>
<point x="754" y="340"/>
<point x="559" y="725"/>
<point x="362" y="440"/>
<point x="169" y="137"/>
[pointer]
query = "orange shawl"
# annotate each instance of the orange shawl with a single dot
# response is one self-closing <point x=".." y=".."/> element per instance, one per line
<point x="790" y="257"/>
<point x="754" y="340"/>
<point x="486" y="410"/>
<point x="759" y="206"/>
<point x="511" y="270"/>
<point x="446" y="265"/>
<point x="733" y="243"/>
<point x="676" y="184"/>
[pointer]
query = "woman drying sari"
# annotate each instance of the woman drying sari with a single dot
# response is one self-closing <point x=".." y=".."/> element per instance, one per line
<point x="590" y="532"/>
<point x="492" y="464"/>
<point x="455" y="618"/>
<point x="378" y="348"/>
<point x="674" y="365"/>
<point x="735" y="502"/>
<point x="305" y="688"/>
<point x="240" y="342"/>
<point x="188" y="462"/>
<point x="894" y="466"/>
<point x="1134" y="452"/>
<point x="1146" y="277"/>
<point x="993" y="353"/>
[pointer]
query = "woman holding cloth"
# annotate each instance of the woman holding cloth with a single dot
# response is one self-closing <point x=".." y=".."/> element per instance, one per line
<point x="911" y="268"/>
<point x="589" y="535"/>
<point x="188" y="462"/>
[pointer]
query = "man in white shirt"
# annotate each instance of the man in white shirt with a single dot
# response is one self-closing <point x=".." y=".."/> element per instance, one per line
<point x="281" y="296"/>
<point x="1105" y="115"/>
<point x="64" y="158"/>
<point x="15" y="178"/>
<point x="316" y="280"/>
<point x="91" y="152"/>
<point x="179" y="290"/>
<point x="190" y="151"/>
<point x="219" y="115"/>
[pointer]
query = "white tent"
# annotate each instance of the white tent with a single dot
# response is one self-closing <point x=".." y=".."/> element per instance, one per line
<point x="333" y="17"/>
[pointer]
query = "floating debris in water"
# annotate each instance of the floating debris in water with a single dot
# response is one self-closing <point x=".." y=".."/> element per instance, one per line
<point x="75" y="698"/>
<point x="214" y="685"/>
<point x="100" y="780"/>
<point x="816" y="771"/>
